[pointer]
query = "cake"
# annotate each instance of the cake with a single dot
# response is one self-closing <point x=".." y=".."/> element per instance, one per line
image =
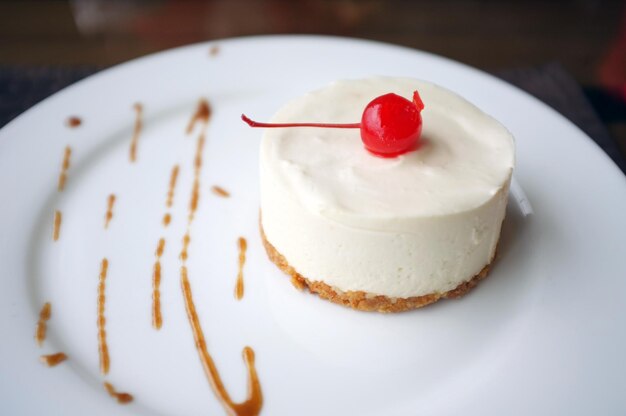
<point x="384" y="234"/>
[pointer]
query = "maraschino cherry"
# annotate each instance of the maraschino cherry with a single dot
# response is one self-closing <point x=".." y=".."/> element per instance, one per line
<point x="390" y="125"/>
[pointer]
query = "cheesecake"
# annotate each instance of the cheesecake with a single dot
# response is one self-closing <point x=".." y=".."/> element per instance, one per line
<point x="384" y="234"/>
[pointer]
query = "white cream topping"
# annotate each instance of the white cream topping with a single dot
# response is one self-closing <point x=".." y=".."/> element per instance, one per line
<point x="416" y="224"/>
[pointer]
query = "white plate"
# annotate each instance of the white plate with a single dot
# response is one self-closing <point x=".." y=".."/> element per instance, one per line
<point x="544" y="334"/>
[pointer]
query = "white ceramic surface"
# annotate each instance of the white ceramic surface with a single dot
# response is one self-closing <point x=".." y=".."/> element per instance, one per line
<point x="545" y="334"/>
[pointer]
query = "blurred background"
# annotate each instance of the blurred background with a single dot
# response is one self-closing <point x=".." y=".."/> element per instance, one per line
<point x="577" y="43"/>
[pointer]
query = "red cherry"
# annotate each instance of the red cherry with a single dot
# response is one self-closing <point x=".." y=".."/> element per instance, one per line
<point x="390" y="126"/>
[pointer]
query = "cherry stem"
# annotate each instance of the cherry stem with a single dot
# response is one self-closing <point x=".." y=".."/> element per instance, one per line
<point x="253" y="123"/>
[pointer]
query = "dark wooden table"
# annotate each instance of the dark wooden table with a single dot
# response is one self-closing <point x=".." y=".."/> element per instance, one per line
<point x="587" y="37"/>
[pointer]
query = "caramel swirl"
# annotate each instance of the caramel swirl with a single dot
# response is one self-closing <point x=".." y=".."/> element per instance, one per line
<point x="103" y="348"/>
<point x="64" y="168"/>
<point x="52" y="360"/>
<point x="157" y="317"/>
<point x="201" y="115"/>
<point x="195" y="190"/>
<point x="254" y="398"/>
<point x="254" y="401"/>
<point x="134" y="143"/>
<point x="109" y="214"/>
<point x="122" y="398"/>
<point x="243" y="246"/>
<point x="172" y="186"/>
<point x="56" y="230"/>
<point x="44" y="316"/>
<point x="219" y="191"/>
<point x="73" y="122"/>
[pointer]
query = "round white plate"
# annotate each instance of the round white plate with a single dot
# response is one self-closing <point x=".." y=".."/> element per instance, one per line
<point x="544" y="334"/>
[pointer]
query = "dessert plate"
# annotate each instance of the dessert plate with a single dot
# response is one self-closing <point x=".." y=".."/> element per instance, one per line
<point x="544" y="334"/>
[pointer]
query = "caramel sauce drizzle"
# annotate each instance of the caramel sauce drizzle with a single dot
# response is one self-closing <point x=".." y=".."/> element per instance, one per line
<point x="103" y="348"/>
<point x="172" y="186"/>
<point x="243" y="246"/>
<point x="254" y="400"/>
<point x="219" y="191"/>
<point x="109" y="214"/>
<point x="195" y="198"/>
<point x="64" y="167"/>
<point x="157" y="317"/>
<point x="167" y="217"/>
<point x="195" y="191"/>
<point x="160" y="248"/>
<point x="202" y="114"/>
<point x="137" y="131"/>
<point x="73" y="121"/>
<point x="44" y="316"/>
<point x="122" y="398"/>
<point x="183" y="253"/>
<point x="52" y="360"/>
<point x="197" y="162"/>
<point x="214" y="50"/>
<point x="56" y="231"/>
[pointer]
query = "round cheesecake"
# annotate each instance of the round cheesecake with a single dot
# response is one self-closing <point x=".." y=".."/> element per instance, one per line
<point x="384" y="234"/>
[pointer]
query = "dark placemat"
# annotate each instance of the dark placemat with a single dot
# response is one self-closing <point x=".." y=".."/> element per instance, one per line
<point x="553" y="85"/>
<point x="23" y="87"/>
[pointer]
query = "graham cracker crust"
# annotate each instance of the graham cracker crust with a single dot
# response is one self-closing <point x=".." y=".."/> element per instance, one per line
<point x="364" y="301"/>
